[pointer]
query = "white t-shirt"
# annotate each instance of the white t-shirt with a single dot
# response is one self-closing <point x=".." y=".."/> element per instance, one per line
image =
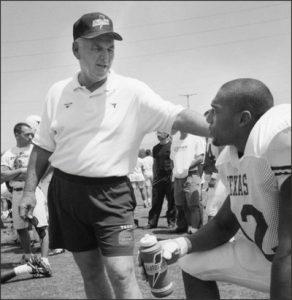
<point x="148" y="165"/>
<point x="137" y="174"/>
<point x="98" y="134"/>
<point x="254" y="180"/>
<point x="183" y="152"/>
<point x="15" y="158"/>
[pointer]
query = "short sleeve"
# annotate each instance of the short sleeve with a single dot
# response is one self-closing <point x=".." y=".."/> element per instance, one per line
<point x="279" y="155"/>
<point x="155" y="113"/>
<point x="7" y="160"/>
<point x="44" y="137"/>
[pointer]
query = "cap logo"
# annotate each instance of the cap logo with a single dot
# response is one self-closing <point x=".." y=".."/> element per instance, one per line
<point x="100" y="22"/>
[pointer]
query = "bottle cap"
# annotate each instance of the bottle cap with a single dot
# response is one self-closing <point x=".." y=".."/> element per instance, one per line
<point x="148" y="240"/>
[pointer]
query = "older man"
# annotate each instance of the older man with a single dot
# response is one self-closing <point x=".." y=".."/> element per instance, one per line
<point x="92" y="127"/>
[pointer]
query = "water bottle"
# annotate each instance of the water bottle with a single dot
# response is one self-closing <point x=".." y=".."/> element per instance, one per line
<point x="155" y="266"/>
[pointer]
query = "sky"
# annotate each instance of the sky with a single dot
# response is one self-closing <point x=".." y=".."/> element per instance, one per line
<point x="176" y="47"/>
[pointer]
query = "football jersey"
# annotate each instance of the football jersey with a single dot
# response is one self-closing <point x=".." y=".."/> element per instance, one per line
<point x="254" y="180"/>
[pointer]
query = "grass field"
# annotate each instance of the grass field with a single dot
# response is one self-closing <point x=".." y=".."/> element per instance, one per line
<point x="66" y="282"/>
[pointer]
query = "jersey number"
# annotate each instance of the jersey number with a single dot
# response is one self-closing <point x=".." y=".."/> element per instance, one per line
<point x="261" y="225"/>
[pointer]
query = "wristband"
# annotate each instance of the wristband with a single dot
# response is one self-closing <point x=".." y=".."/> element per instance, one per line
<point x="184" y="245"/>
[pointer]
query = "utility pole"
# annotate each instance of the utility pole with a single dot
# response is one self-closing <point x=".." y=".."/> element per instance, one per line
<point x="188" y="98"/>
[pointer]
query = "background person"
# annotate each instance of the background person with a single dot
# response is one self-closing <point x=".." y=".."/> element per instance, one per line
<point x="137" y="178"/>
<point x="14" y="170"/>
<point x="162" y="182"/>
<point x="148" y="175"/>
<point x="92" y="127"/>
<point x="187" y="154"/>
<point x="255" y="168"/>
<point x="211" y="200"/>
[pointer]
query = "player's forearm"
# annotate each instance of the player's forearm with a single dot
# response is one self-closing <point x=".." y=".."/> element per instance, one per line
<point x="191" y="122"/>
<point x="210" y="236"/>
<point x="38" y="163"/>
<point x="281" y="278"/>
<point x="217" y="231"/>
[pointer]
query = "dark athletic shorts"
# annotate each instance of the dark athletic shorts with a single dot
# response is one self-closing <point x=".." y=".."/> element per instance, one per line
<point x="88" y="213"/>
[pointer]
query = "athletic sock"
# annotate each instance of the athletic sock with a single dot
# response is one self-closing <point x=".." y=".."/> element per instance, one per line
<point x="23" y="269"/>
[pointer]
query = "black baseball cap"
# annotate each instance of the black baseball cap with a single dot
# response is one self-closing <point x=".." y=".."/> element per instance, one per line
<point x="92" y="25"/>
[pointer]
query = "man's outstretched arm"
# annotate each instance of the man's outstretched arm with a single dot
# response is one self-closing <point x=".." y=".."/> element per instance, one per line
<point x="219" y="230"/>
<point x="38" y="163"/>
<point x="191" y="122"/>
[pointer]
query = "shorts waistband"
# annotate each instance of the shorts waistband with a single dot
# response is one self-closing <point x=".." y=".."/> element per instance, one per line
<point x="89" y="180"/>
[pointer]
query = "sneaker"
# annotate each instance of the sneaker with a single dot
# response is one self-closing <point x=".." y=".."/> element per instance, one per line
<point x="39" y="266"/>
<point x="56" y="251"/>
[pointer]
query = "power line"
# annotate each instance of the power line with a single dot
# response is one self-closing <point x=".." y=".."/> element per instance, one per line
<point x="208" y="46"/>
<point x="162" y="37"/>
<point x="153" y="24"/>
<point x="188" y="98"/>
<point x="160" y="53"/>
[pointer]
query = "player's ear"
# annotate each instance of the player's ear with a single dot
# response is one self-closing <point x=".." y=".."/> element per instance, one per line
<point x="75" y="49"/>
<point x="245" y="118"/>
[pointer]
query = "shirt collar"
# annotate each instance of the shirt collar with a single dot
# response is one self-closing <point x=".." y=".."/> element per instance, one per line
<point x="228" y="154"/>
<point x="108" y="86"/>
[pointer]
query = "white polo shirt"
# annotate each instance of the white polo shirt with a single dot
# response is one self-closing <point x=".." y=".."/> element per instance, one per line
<point x="98" y="134"/>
